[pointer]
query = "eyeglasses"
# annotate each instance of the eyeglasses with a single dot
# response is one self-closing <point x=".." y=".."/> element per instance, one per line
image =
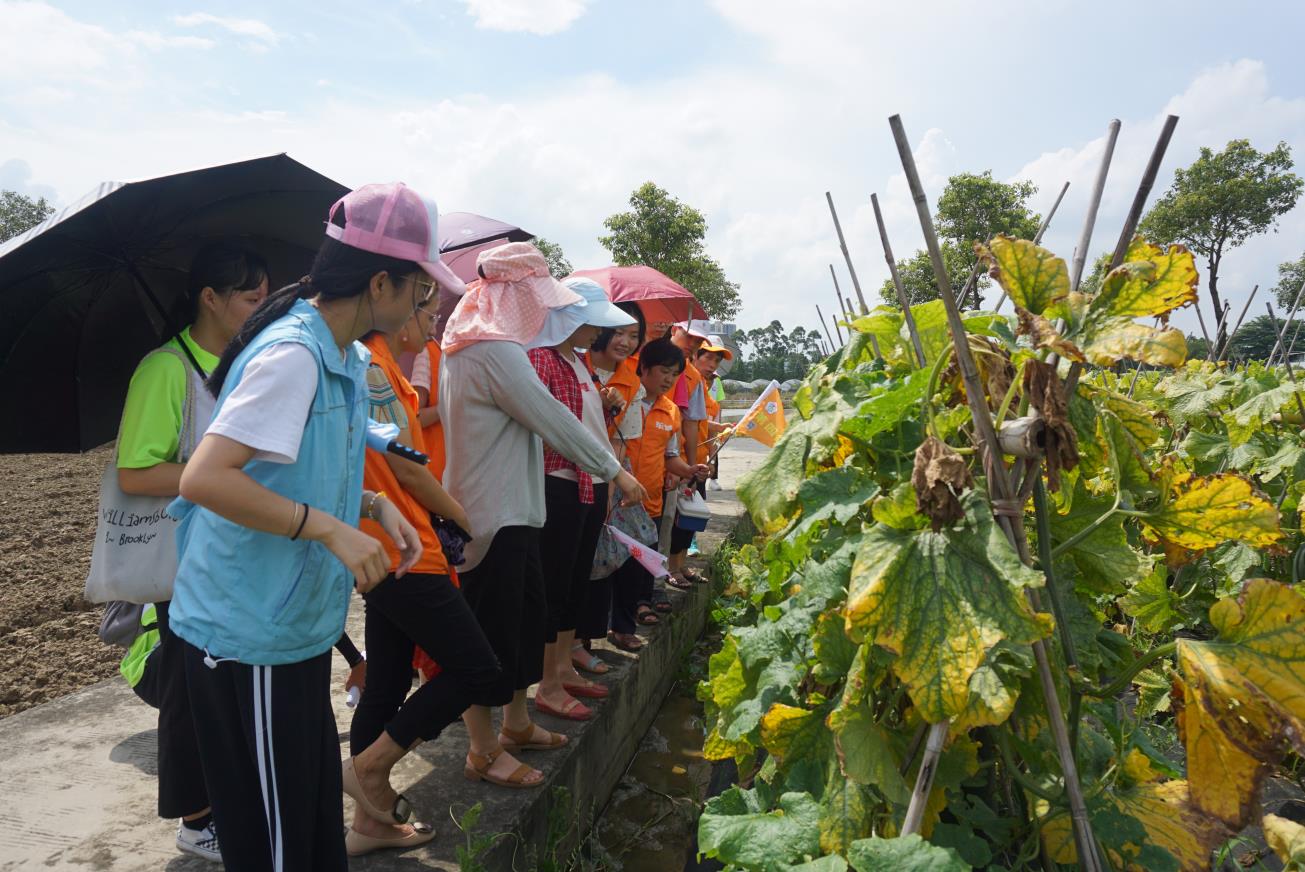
<point x="425" y="289"/>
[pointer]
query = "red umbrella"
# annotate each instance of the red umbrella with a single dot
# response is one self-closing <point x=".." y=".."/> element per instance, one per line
<point x="662" y="299"/>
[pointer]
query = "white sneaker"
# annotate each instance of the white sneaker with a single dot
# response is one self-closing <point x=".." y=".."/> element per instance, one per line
<point x="714" y="485"/>
<point x="201" y="843"/>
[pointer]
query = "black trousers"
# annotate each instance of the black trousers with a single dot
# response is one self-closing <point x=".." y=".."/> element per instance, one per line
<point x="506" y="594"/>
<point x="566" y="549"/>
<point x="182" y="791"/>
<point x="425" y="610"/>
<point x="271" y="755"/>
<point x="632" y="585"/>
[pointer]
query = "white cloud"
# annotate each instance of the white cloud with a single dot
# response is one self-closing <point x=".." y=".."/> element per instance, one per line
<point x="258" y="32"/>
<point x="38" y="41"/>
<point x="155" y="41"/>
<point x="542" y="17"/>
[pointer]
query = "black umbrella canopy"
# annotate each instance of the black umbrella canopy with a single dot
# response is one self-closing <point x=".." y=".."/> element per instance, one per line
<point x="90" y="292"/>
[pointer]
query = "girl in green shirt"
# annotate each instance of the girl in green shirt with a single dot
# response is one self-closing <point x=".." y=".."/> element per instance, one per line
<point x="166" y="413"/>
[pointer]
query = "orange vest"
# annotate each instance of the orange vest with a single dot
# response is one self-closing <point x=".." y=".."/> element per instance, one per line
<point x="648" y="452"/>
<point x="626" y="380"/>
<point x="434" y="434"/>
<point x="377" y="475"/>
<point x="713" y="413"/>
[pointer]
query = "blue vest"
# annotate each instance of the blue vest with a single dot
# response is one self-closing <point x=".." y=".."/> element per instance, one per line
<point x="259" y="597"/>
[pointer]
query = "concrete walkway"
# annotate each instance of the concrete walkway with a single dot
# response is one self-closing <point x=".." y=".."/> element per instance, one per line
<point x="78" y="787"/>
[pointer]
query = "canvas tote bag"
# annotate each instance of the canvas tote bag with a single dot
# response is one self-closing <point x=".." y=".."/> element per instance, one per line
<point x="134" y="558"/>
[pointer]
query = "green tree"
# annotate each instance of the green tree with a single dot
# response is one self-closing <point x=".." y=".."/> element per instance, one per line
<point x="973" y="208"/>
<point x="661" y="232"/>
<point x="917" y="276"/>
<point x="1222" y="200"/>
<point x="1291" y="275"/>
<point x="775" y="353"/>
<point x="20" y="213"/>
<point x="1255" y="339"/>
<point x="558" y="265"/>
<point x="1197" y="347"/>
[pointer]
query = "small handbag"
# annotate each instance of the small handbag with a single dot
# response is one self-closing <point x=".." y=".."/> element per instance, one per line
<point x="634" y="522"/>
<point x="134" y="557"/>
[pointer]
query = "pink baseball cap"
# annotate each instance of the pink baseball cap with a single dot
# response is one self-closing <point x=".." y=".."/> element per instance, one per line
<point x="395" y="221"/>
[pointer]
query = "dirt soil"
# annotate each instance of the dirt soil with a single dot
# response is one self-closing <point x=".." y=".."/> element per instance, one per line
<point x="48" y="645"/>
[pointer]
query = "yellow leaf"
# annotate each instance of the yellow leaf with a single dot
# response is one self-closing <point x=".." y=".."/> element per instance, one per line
<point x="1243" y="697"/>
<point x="1137" y="768"/>
<point x="789" y="732"/>
<point x="1287" y="839"/>
<point x="1153" y="282"/>
<point x="1034" y="278"/>
<point x="1122" y="339"/>
<point x="1164" y="810"/>
<point x="1202" y="512"/>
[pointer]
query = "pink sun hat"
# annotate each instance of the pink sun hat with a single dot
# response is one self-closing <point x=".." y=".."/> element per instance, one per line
<point x="395" y="221"/>
<point x="510" y="303"/>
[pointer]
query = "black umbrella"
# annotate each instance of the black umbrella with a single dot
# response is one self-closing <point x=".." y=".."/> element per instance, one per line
<point x="85" y="295"/>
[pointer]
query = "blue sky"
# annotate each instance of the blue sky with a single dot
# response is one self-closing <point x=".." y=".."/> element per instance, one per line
<point x="547" y="113"/>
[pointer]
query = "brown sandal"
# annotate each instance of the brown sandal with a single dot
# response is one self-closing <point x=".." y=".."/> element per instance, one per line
<point x="477" y="769"/>
<point x="520" y="740"/>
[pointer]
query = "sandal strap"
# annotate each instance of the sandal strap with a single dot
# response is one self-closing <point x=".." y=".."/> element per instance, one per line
<point x="482" y="762"/>
<point x="519" y="774"/>
<point x="518" y="736"/>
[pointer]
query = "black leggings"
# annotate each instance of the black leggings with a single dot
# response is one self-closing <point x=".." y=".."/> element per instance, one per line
<point x="182" y="791"/>
<point x="566" y="549"/>
<point x="425" y="610"/>
<point x="506" y="594"/>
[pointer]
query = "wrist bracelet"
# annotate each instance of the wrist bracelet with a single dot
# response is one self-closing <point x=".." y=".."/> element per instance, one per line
<point x="371" y="506"/>
<point x="302" y="523"/>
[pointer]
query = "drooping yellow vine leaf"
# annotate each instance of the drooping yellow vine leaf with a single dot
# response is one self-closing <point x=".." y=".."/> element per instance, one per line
<point x="1243" y="697"/>
<point x="1202" y="512"/>
<point x="940" y="601"/>
<point x="1034" y="278"/>
<point x="789" y="732"/>
<point x="1153" y="281"/>
<point x="1164" y="810"/>
<point x="1122" y="339"/>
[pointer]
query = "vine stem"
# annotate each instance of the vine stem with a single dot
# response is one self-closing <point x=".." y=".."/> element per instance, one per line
<point x="1001" y="491"/>
<point x="1114" y="687"/>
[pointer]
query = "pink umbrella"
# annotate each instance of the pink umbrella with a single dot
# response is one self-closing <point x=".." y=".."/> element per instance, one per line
<point x="662" y="299"/>
<point x="463" y="236"/>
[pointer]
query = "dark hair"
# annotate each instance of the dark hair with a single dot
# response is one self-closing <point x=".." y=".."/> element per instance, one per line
<point x="224" y="267"/>
<point x="661" y="352"/>
<point x="339" y="271"/>
<point x="607" y="333"/>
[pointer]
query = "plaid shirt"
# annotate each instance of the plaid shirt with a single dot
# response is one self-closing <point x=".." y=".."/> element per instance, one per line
<point x="560" y="379"/>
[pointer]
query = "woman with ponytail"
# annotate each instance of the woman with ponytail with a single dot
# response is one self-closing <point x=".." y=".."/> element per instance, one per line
<point x="269" y="547"/>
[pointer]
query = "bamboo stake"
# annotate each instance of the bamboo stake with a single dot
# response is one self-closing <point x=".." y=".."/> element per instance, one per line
<point x="824" y="326"/>
<point x="1200" y="319"/>
<point x="1131" y="220"/>
<point x="1290" y="316"/>
<point x="856" y="284"/>
<point x="874" y="343"/>
<point x="1223" y="352"/>
<point x="1294" y="337"/>
<point x="847" y="306"/>
<point x="897" y="282"/>
<point x="838" y="331"/>
<point x="1037" y="237"/>
<point x="1094" y="204"/>
<point x="1220" y="329"/>
<point x="1001" y="493"/>
<point x="1291" y="374"/>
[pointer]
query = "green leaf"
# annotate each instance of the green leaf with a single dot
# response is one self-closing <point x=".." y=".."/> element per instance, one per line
<point x="903" y="854"/>
<point x="829" y="863"/>
<point x="865" y="751"/>
<point x="835" y="652"/>
<point x="825" y="581"/>
<point x="846" y="814"/>
<point x="1034" y="278"/>
<point x="771" y="490"/>
<point x="887" y="408"/>
<point x="971" y="847"/>
<point x="1152" y="602"/>
<point x="940" y="601"/>
<point x="1261" y="407"/>
<point x="897" y="509"/>
<point x="791" y="733"/>
<point x="835" y="495"/>
<point x="734" y="828"/>
<point x="1106" y="562"/>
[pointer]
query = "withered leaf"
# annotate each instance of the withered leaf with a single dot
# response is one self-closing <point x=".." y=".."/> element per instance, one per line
<point x="940" y="476"/>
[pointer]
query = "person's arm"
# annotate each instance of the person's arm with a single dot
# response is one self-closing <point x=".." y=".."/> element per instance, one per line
<point x="215" y="479"/>
<point x="160" y="480"/>
<point x="517" y="390"/>
<point x="427" y="415"/>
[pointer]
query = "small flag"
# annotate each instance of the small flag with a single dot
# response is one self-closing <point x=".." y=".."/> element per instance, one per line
<point x="765" y="420"/>
<point x="648" y="558"/>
